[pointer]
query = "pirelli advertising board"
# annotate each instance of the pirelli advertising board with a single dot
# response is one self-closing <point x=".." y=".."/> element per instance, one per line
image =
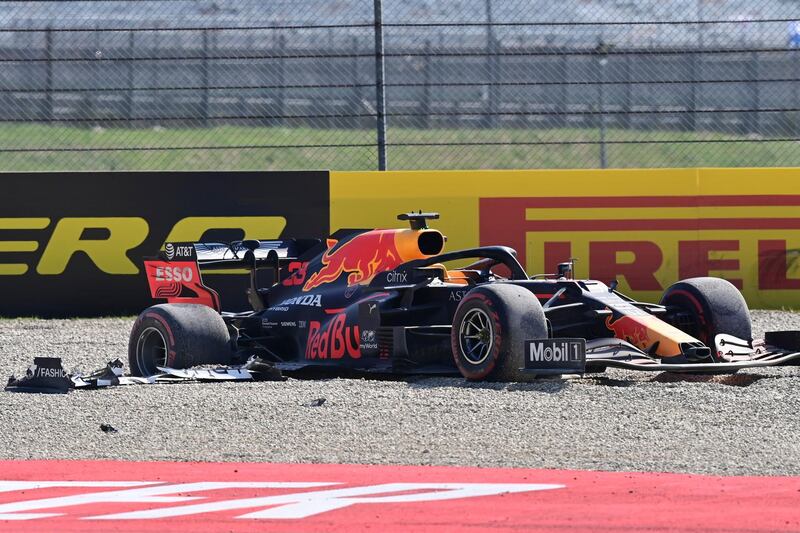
<point x="645" y="228"/>
<point x="71" y="244"/>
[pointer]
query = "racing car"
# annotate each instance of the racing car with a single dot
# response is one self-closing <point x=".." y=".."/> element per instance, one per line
<point x="392" y="301"/>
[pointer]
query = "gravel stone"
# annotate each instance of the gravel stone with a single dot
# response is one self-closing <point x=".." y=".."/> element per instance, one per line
<point x="745" y="424"/>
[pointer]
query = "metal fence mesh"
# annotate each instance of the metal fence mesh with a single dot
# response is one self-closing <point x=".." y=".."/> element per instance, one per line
<point x="247" y="84"/>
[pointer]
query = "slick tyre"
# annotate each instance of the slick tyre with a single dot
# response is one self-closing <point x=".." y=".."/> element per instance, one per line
<point x="489" y="331"/>
<point x="706" y="307"/>
<point x="177" y="336"/>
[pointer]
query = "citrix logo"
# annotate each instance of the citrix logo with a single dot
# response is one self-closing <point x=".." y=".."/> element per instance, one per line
<point x="396" y="277"/>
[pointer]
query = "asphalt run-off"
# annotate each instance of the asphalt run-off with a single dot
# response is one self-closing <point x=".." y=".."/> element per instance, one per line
<point x="154" y="496"/>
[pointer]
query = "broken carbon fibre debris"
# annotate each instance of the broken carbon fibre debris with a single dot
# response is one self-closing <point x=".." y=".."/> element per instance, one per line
<point x="47" y="375"/>
<point x="319" y="402"/>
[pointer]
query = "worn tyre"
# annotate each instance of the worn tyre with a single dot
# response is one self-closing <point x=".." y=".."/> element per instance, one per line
<point x="489" y="331"/>
<point x="177" y="336"/>
<point x="712" y="306"/>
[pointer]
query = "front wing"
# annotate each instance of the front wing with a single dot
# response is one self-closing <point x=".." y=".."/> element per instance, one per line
<point x="603" y="353"/>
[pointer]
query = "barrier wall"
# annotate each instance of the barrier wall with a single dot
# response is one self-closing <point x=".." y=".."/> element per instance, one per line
<point x="71" y="244"/>
<point x="646" y="228"/>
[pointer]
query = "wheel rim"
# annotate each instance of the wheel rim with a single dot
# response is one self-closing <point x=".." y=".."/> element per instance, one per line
<point x="476" y="336"/>
<point x="151" y="350"/>
<point x="690" y="319"/>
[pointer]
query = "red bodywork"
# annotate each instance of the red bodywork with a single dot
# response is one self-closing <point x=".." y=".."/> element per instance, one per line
<point x="176" y="280"/>
<point x="646" y="331"/>
<point x="365" y="256"/>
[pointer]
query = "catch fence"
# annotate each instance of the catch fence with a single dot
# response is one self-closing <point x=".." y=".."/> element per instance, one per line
<point x="353" y="84"/>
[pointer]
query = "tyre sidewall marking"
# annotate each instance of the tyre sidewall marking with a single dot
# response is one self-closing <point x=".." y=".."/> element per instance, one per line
<point x="171" y="349"/>
<point x="487" y="366"/>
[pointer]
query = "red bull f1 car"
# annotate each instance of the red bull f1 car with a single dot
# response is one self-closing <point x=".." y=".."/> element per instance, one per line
<point x="391" y="301"/>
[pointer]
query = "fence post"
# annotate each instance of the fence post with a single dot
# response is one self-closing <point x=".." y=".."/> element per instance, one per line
<point x="559" y="120"/>
<point x="425" y="107"/>
<point x="95" y="71"/>
<point x="625" y="118"/>
<point x="601" y="63"/>
<point x="355" y="96"/>
<point x="795" y="70"/>
<point x="380" y="88"/>
<point x="204" y="80"/>
<point x="154" y="69"/>
<point x="48" y="81"/>
<point x="691" y="120"/>
<point x="755" y="94"/>
<point x="131" y="55"/>
<point x="280" y="108"/>
<point x="603" y="154"/>
<point x="490" y="119"/>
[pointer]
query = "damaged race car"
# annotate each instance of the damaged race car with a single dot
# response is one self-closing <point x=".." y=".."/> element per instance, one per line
<point x="391" y="301"/>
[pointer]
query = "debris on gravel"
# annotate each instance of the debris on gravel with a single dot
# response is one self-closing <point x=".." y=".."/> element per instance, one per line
<point x="744" y="424"/>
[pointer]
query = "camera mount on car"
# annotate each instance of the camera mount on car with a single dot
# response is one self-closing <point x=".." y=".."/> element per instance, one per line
<point x="418" y="220"/>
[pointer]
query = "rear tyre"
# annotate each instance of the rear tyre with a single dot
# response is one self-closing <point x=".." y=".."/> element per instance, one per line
<point x="177" y="336"/>
<point x="706" y="307"/>
<point x="489" y="331"/>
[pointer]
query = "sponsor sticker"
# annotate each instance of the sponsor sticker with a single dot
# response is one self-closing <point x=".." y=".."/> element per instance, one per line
<point x="396" y="277"/>
<point x="457" y="296"/>
<point x="309" y="300"/>
<point x="333" y="340"/>
<point x="555" y="354"/>
<point x="179" y="251"/>
<point x="175" y="273"/>
<point x="368" y="340"/>
<point x="363" y="257"/>
<point x="44" y="372"/>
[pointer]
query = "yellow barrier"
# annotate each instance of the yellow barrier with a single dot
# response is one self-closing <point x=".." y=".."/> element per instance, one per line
<point x="646" y="228"/>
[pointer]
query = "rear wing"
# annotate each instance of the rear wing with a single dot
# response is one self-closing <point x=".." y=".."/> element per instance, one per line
<point x="250" y="254"/>
<point x="175" y="274"/>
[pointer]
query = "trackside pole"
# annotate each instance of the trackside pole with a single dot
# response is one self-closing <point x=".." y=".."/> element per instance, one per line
<point x="380" y="88"/>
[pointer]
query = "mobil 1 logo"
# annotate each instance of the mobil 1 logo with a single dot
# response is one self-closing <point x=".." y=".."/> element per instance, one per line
<point x="562" y="355"/>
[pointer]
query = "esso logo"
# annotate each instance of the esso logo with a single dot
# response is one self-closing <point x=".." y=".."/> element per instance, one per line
<point x="179" y="274"/>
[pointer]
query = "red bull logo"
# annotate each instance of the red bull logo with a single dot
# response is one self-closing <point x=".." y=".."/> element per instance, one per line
<point x="362" y="258"/>
<point x="647" y="332"/>
<point x="631" y="330"/>
<point x="333" y="340"/>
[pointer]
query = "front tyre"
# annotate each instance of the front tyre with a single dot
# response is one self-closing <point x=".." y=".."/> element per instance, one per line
<point x="177" y="336"/>
<point x="490" y="328"/>
<point x="706" y="307"/>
